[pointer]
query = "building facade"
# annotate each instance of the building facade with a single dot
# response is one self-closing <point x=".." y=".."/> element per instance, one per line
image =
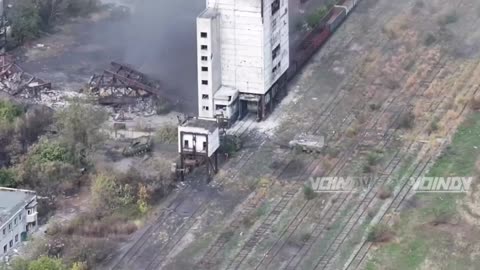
<point x="243" y="52"/>
<point x="198" y="143"/>
<point x="18" y="217"/>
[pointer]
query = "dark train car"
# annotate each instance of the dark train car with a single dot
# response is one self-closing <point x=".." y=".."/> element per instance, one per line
<point x="316" y="38"/>
<point x="308" y="47"/>
<point x="338" y="15"/>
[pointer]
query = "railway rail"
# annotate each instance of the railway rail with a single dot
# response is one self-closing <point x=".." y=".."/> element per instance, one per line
<point x="359" y="256"/>
<point x="295" y="223"/>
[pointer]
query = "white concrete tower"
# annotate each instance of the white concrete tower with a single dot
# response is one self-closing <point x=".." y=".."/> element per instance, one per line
<point x="243" y="50"/>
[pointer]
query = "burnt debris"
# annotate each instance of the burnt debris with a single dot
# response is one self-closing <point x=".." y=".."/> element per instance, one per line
<point x="127" y="89"/>
<point x="16" y="82"/>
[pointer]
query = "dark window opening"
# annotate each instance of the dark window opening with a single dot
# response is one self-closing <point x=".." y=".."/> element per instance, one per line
<point x="275" y="6"/>
<point x="204" y="68"/>
<point x="204" y="146"/>
<point x="275" y="52"/>
<point x="185" y="144"/>
<point x="5" y="249"/>
<point x="204" y="82"/>
<point x="11" y="243"/>
<point x="203" y="34"/>
<point x="204" y="47"/>
<point x="204" y="58"/>
<point x="16" y="238"/>
<point x="277" y="67"/>
<point x="204" y="96"/>
<point x="205" y="108"/>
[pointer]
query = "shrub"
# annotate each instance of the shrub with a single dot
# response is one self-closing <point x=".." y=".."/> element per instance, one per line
<point x="433" y="125"/>
<point x="380" y="233"/>
<point x="475" y="102"/>
<point x="374" y="106"/>
<point x="308" y="192"/>
<point x="9" y="111"/>
<point x="46" y="263"/>
<point x="406" y="120"/>
<point x="430" y="39"/>
<point x="314" y="19"/>
<point x="80" y="128"/>
<point x="448" y="18"/>
<point x="50" y="151"/>
<point x="25" y="20"/>
<point x="373" y="159"/>
<point x="79" y="266"/>
<point x="384" y="192"/>
<point x="167" y="134"/>
<point x="7" y="178"/>
<point x="108" y="194"/>
<point x="305" y="237"/>
<point x="442" y="216"/>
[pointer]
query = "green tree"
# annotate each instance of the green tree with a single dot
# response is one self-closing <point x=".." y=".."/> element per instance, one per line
<point x="80" y="129"/>
<point x="314" y="19"/>
<point x="108" y="193"/>
<point x="9" y="111"/>
<point x="46" y="263"/>
<point x="25" y="20"/>
<point x="7" y="178"/>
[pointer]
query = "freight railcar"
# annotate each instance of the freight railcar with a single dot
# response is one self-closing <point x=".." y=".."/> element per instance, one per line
<point x="317" y="37"/>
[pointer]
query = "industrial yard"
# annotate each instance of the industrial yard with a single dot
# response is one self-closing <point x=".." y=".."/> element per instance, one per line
<point x="376" y="87"/>
<point x="392" y="94"/>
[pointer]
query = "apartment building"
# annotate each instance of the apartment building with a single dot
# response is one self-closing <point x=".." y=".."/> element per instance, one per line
<point x="18" y="217"/>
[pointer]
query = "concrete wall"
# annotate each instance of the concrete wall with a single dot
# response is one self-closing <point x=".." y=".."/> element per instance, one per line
<point x="200" y="138"/>
<point x="248" y="34"/>
<point x="209" y="59"/>
<point x="276" y="31"/>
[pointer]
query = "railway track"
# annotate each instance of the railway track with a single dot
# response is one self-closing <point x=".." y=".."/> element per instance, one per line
<point x="360" y="211"/>
<point x="139" y="245"/>
<point x="358" y="257"/>
<point x="208" y="259"/>
<point x="326" y="260"/>
<point x="295" y="224"/>
<point x="319" y="228"/>
<point x="179" y="234"/>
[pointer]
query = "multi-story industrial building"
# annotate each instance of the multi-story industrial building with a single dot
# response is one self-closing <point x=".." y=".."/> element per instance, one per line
<point x="18" y="217"/>
<point x="243" y="56"/>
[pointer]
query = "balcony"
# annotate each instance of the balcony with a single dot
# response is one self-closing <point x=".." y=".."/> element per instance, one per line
<point x="32" y="217"/>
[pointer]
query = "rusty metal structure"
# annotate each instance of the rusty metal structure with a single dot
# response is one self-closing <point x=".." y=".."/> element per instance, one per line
<point x="16" y="82"/>
<point x="122" y="84"/>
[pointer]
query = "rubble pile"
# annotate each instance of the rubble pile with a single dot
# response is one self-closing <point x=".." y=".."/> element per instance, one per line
<point x="16" y="82"/>
<point x="126" y="89"/>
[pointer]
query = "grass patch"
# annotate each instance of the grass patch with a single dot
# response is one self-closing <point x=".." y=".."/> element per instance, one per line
<point x="417" y="239"/>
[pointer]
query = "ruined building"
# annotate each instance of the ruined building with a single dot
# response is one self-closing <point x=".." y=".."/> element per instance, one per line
<point x="243" y="56"/>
